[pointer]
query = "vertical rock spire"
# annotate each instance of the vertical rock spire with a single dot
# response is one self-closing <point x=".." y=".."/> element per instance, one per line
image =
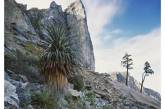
<point x="78" y="30"/>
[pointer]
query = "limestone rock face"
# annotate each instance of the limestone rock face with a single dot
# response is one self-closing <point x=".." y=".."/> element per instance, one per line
<point x="40" y="18"/>
<point x="18" y="90"/>
<point x="11" y="97"/>
<point x="77" y="26"/>
<point x="17" y="20"/>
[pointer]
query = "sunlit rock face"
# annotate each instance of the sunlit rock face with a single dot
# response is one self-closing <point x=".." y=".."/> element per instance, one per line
<point x="16" y="20"/>
<point x="78" y="30"/>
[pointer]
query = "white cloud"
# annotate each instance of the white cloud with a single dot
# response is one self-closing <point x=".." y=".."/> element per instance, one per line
<point x="116" y="31"/>
<point x="43" y="4"/>
<point x="98" y="15"/>
<point x="64" y="3"/>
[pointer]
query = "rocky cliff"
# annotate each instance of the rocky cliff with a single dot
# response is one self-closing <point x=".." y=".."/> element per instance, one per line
<point x="77" y="24"/>
<point x="25" y="40"/>
<point x="28" y="26"/>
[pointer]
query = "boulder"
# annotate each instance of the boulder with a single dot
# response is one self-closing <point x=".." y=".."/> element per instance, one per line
<point x="10" y="98"/>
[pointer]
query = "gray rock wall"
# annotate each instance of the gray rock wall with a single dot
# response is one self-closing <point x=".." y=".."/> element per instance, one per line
<point x="78" y="29"/>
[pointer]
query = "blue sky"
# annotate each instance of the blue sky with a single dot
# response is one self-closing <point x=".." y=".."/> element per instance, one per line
<point x="119" y="26"/>
<point x="138" y="16"/>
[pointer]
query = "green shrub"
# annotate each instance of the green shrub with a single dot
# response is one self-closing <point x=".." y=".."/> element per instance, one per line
<point x="78" y="82"/>
<point x="151" y="107"/>
<point x="10" y="60"/>
<point x="90" y="97"/>
<point x="43" y="100"/>
<point x="23" y="63"/>
<point x="18" y="61"/>
<point x="80" y="101"/>
<point x="74" y="102"/>
<point x="33" y="49"/>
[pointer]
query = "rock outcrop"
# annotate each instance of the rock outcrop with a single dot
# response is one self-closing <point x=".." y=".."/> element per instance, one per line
<point x="11" y="97"/>
<point x="77" y="24"/>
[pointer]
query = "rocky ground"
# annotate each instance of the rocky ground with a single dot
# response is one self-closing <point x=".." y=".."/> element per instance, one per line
<point x="26" y="39"/>
<point x="94" y="91"/>
<point x="118" y="94"/>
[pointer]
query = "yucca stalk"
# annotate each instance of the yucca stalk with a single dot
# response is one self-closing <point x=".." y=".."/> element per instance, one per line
<point x="59" y="59"/>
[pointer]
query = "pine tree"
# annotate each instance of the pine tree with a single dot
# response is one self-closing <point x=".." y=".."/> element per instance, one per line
<point x="127" y="63"/>
<point x="147" y="72"/>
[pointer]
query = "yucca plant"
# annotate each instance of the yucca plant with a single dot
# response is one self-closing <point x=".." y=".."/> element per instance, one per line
<point x="59" y="60"/>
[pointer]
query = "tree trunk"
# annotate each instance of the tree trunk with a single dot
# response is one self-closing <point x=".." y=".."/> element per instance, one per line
<point x="127" y="78"/>
<point x="141" y="89"/>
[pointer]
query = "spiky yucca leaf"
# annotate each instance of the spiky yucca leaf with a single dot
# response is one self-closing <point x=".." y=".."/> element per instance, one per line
<point x="59" y="59"/>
